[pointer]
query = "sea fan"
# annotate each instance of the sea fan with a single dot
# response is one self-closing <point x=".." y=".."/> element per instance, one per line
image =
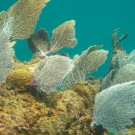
<point x="85" y="64"/>
<point x="115" y="107"/>
<point x="22" y="17"/>
<point x="63" y="36"/>
<point x="6" y="56"/>
<point x="50" y="72"/>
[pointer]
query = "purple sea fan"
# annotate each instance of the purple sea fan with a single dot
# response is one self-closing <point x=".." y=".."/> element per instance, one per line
<point x="50" y="72"/>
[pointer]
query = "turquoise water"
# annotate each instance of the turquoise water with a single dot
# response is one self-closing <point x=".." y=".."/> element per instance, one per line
<point x="95" y="22"/>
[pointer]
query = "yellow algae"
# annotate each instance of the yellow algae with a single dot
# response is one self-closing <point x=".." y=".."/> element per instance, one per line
<point x="84" y="88"/>
<point x="19" y="79"/>
<point x="22" y="114"/>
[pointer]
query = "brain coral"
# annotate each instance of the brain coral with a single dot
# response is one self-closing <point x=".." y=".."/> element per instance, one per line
<point x="18" y="79"/>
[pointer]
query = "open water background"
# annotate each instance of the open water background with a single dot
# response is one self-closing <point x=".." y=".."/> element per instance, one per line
<point x="95" y="22"/>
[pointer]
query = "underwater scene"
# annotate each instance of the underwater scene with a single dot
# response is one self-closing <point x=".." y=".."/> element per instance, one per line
<point x="67" y="67"/>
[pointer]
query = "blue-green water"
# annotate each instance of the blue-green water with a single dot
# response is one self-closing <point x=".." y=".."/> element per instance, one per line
<point x="95" y="22"/>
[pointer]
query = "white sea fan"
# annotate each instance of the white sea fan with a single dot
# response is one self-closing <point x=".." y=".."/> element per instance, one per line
<point x="51" y="71"/>
<point x="86" y="63"/>
<point x="6" y="56"/>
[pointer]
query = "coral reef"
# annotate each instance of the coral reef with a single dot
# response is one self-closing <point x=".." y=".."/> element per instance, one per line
<point x="53" y="94"/>
<point x="28" y="103"/>
<point x="21" y="114"/>
<point x="84" y="89"/>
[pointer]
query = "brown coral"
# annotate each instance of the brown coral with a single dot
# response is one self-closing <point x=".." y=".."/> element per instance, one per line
<point x="18" y="79"/>
<point x="116" y="47"/>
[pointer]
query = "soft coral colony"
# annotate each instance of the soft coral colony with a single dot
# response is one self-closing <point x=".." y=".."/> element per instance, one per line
<point x="63" y="101"/>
